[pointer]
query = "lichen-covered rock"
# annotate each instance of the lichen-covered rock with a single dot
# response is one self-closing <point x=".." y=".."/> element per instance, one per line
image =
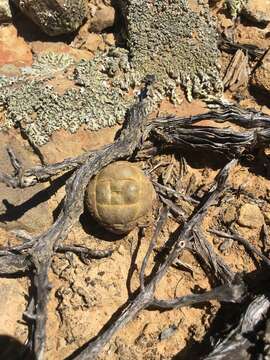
<point x="54" y="17"/>
<point x="168" y="39"/>
<point x="98" y="98"/>
<point x="5" y="12"/>
<point x="261" y="76"/>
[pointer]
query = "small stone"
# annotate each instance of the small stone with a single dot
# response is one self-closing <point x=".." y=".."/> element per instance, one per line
<point x="225" y="22"/>
<point x="13" y="49"/>
<point x="5" y="12"/>
<point x="250" y="216"/>
<point x="168" y="332"/>
<point x="103" y="19"/>
<point x="261" y="76"/>
<point x="93" y="42"/>
<point x="102" y="46"/>
<point x="229" y="214"/>
<point x="121" y="250"/>
<point x="257" y="11"/>
<point x="109" y="39"/>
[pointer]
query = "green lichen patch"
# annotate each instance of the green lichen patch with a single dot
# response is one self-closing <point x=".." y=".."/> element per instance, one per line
<point x="49" y="63"/>
<point x="235" y="6"/>
<point x="168" y="39"/>
<point x="98" y="98"/>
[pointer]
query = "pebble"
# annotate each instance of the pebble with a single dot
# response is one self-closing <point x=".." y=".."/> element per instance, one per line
<point x="109" y="39"/>
<point x="168" y="332"/>
<point x="93" y="42"/>
<point x="229" y="214"/>
<point x="261" y="76"/>
<point x="250" y="216"/>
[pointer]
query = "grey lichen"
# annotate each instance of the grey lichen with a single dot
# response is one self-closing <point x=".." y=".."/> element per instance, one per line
<point x="49" y="63"/>
<point x="97" y="99"/>
<point x="179" y="46"/>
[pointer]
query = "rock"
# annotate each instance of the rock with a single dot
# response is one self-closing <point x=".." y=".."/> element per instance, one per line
<point x="257" y="11"/>
<point x="5" y="12"/>
<point x="13" y="49"/>
<point x="93" y="42"/>
<point x="103" y="19"/>
<point x="42" y="47"/>
<point x="54" y="17"/>
<point x="250" y="216"/>
<point x="229" y="214"/>
<point x="109" y="39"/>
<point x="261" y="76"/>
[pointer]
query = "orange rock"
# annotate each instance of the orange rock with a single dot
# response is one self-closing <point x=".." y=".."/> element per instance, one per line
<point x="13" y="49"/>
<point x="93" y="42"/>
<point x="250" y="216"/>
<point x="109" y="39"/>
